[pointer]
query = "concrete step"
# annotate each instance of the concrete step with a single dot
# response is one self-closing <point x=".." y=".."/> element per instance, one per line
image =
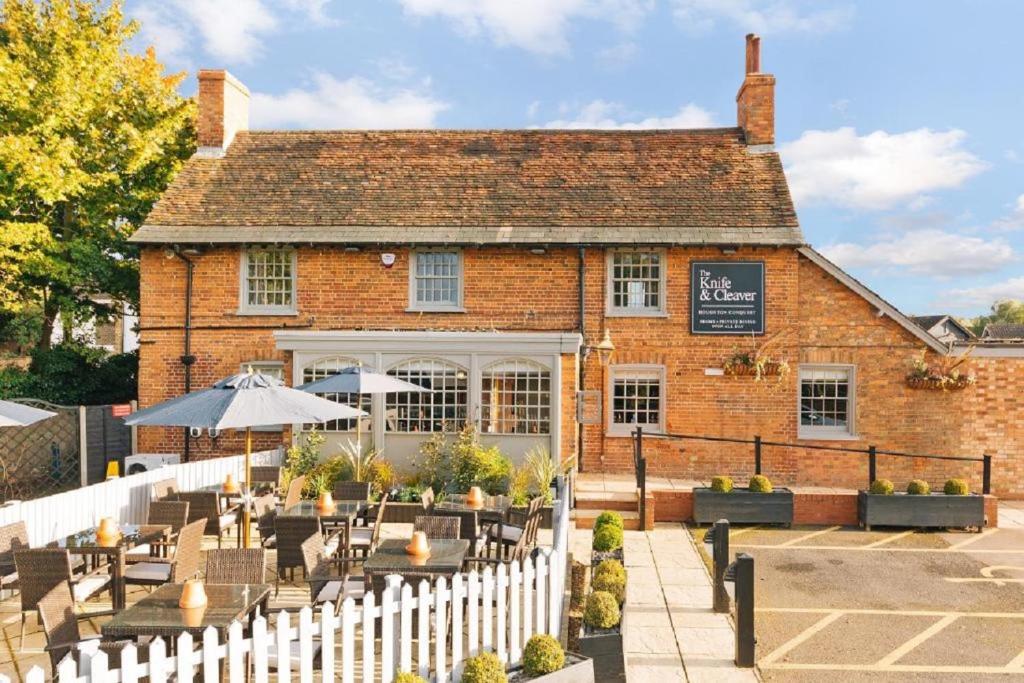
<point x="606" y="500"/>
<point x="585" y="518"/>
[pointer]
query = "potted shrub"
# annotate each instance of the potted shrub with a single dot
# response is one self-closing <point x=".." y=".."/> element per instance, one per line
<point x="610" y="577"/>
<point x="408" y="677"/>
<point x="601" y="638"/>
<point x="403" y="505"/>
<point x="608" y="536"/>
<point x="544" y="660"/>
<point x="956" y="506"/>
<point x="759" y="503"/>
<point x="484" y="668"/>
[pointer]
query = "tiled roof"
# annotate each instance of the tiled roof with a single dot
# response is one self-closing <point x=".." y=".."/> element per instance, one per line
<point x="1004" y="331"/>
<point x="927" y="322"/>
<point x="671" y="186"/>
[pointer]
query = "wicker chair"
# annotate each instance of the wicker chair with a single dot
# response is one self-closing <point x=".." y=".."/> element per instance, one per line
<point x="329" y="578"/>
<point x="469" y="528"/>
<point x="265" y="512"/>
<point x="351" y="490"/>
<point x="265" y="479"/>
<point x="427" y="500"/>
<point x="365" y="540"/>
<point x="510" y="534"/>
<point x="60" y="626"/>
<point x="183" y="565"/>
<point x="290" y="533"/>
<point x="294" y="495"/>
<point x="206" y="505"/>
<point x="236" y="565"/>
<point x="13" y="537"/>
<point x="437" y="526"/>
<point x="172" y="513"/>
<point x="165" y="489"/>
<point x="41" y="569"/>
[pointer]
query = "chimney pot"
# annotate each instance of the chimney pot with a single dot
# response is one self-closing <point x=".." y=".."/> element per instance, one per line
<point x="755" y="102"/>
<point x="223" y="110"/>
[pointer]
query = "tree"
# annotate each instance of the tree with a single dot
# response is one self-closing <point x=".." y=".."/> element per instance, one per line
<point x="90" y="135"/>
<point x="1005" y="311"/>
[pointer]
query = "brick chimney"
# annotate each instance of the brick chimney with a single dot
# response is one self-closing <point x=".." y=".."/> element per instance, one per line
<point x="755" y="102"/>
<point x="223" y="110"/>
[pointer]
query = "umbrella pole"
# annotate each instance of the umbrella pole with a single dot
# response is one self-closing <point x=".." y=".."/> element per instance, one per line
<point x="246" y="519"/>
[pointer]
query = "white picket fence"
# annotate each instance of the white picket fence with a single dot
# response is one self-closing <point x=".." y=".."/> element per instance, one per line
<point x="126" y="499"/>
<point x="495" y="610"/>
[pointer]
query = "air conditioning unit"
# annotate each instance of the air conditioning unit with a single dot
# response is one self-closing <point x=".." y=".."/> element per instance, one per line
<point x="145" y="462"/>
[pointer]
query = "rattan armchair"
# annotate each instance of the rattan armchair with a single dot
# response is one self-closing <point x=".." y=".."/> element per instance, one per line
<point x="13" y="537"/>
<point x="469" y="528"/>
<point x="184" y="564"/>
<point x="165" y="489"/>
<point x="171" y="513"/>
<point x="236" y="565"/>
<point x="264" y="513"/>
<point x="290" y="533"/>
<point x="329" y="577"/>
<point x="508" y="535"/>
<point x="427" y="500"/>
<point x="40" y="569"/>
<point x="365" y="540"/>
<point x="294" y="495"/>
<point x="351" y="490"/>
<point x="437" y="526"/>
<point x="265" y="479"/>
<point x="207" y="505"/>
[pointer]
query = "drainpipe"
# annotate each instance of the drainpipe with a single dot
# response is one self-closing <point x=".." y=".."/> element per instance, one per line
<point x="582" y="365"/>
<point x="187" y="359"/>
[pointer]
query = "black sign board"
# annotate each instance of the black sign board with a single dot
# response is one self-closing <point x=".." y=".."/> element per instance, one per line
<point x="727" y="297"/>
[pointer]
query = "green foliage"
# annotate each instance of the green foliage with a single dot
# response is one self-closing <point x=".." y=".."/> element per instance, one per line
<point x="519" y="486"/>
<point x="92" y="135"/>
<point x="484" y="668"/>
<point x="607" y="537"/>
<point x="881" y="487"/>
<point x="408" y="677"/>
<point x="601" y="610"/>
<point x="407" y="494"/>
<point x="381" y="477"/>
<point x="302" y="457"/>
<point x="434" y="464"/>
<point x="73" y="374"/>
<point x="759" y="484"/>
<point x="1005" y="311"/>
<point x="360" y="462"/>
<point x="317" y="483"/>
<point x="454" y="465"/>
<point x="918" y="487"/>
<point x="543" y="469"/>
<point x="956" y="487"/>
<point x="543" y="654"/>
<point x="609" y="517"/>
<point x="721" y="484"/>
<point x="610" y="576"/>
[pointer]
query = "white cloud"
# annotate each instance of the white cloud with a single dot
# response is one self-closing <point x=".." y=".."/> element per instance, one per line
<point x="985" y="295"/>
<point x="761" y="16"/>
<point x="618" y="55"/>
<point x="538" y="26"/>
<point x="159" y="28"/>
<point x="925" y="252"/>
<point x="878" y="170"/>
<point x="611" y="115"/>
<point x="331" y="103"/>
<point x="1014" y="220"/>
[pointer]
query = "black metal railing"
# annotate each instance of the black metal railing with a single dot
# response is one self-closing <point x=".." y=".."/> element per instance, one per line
<point x="640" y="469"/>
<point x="759" y="444"/>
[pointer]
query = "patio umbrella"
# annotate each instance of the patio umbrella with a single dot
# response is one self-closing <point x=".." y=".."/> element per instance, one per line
<point x="243" y="401"/>
<point x="18" y="415"/>
<point x="360" y="379"/>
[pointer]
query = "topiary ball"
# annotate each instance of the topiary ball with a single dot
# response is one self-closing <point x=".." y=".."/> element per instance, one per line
<point x="607" y="538"/>
<point x="542" y="655"/>
<point x="759" y="484"/>
<point x="881" y="487"/>
<point x="601" y="610"/>
<point x="408" y="677"/>
<point x="484" y="668"/>
<point x="608" y="518"/>
<point x="610" y="576"/>
<point x="721" y="484"/>
<point x="956" y="487"/>
<point x="918" y="487"/>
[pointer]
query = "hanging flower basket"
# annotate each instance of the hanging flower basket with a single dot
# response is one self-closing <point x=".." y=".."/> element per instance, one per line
<point x="769" y="369"/>
<point x="940" y="383"/>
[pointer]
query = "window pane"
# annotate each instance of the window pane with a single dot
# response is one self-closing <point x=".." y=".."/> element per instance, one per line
<point x="515" y="399"/>
<point x="636" y="280"/>
<point x="268" y="281"/>
<point x="443" y="407"/>
<point x="825" y="398"/>
<point x="437" y="278"/>
<point x="636" y="399"/>
<point x="329" y="366"/>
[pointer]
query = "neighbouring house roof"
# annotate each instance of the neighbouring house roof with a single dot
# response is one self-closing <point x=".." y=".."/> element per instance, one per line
<point x="927" y="322"/>
<point x="479" y="187"/>
<point x="1003" y="331"/>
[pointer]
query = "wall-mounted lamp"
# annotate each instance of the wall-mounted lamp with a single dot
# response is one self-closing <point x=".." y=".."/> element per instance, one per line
<point x="605" y="349"/>
<point x="352" y="249"/>
<point x="538" y="250"/>
<point x="729" y="249"/>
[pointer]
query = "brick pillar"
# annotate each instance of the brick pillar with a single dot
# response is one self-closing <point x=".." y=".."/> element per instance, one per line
<point x="755" y="102"/>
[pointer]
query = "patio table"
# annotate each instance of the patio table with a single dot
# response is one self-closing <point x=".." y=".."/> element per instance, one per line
<point x="224" y="495"/>
<point x="343" y="514"/>
<point x="85" y="543"/>
<point x="158" y="614"/>
<point x="493" y="510"/>
<point x="445" y="558"/>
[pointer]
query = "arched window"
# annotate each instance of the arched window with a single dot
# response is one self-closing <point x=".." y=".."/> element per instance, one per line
<point x="329" y="366"/>
<point x="443" y="407"/>
<point x="515" y="398"/>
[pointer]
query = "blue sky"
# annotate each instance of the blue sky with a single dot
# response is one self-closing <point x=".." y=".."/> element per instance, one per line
<point x="898" y="122"/>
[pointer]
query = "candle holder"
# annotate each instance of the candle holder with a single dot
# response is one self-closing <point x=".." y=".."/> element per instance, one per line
<point x="230" y="485"/>
<point x="418" y="546"/>
<point x="475" y="497"/>
<point x="325" y="501"/>
<point x="108" y="533"/>
<point x="193" y="595"/>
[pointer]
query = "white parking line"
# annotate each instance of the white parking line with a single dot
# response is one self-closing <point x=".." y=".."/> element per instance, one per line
<point x="890" y="539"/>
<point x="973" y="539"/>
<point x="804" y="635"/>
<point x="924" y="635"/>
<point x="893" y="668"/>
<point x="798" y="539"/>
<point x="894" y="612"/>
<point x="885" y="549"/>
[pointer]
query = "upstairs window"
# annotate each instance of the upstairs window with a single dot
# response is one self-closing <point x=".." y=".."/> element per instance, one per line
<point x="268" y="281"/>
<point x="637" y="398"/>
<point x="435" y="280"/>
<point x="636" y="283"/>
<point x="515" y="398"/>
<point x="826" y="402"/>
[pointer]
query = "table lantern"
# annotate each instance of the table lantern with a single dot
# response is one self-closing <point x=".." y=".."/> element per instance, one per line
<point x="418" y="545"/>
<point x="325" y="501"/>
<point x="107" y="532"/>
<point x="193" y="594"/>
<point x="475" y="497"/>
<point x="230" y="485"/>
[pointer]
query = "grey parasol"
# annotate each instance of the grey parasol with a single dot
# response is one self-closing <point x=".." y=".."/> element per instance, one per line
<point x="18" y="415"/>
<point x="243" y="401"/>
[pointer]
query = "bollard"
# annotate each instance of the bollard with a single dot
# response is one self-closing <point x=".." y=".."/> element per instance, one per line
<point x="744" y="577"/>
<point x="720" y="562"/>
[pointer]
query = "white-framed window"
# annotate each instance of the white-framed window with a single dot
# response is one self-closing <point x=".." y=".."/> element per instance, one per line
<point x="329" y="366"/>
<point x="268" y="281"/>
<point x="636" y="397"/>
<point x="636" y="282"/>
<point x="271" y="368"/>
<point x="435" y="280"/>
<point x="515" y="398"/>
<point x="443" y="407"/>
<point x="827" y="403"/>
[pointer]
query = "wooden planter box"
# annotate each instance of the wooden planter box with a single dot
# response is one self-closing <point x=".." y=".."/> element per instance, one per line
<point x="598" y="556"/>
<point x="937" y="384"/>
<point x="741" y="506"/>
<point x="518" y="512"/>
<point x="935" y="510"/>
<point x="605" y="648"/>
<point x="577" y="669"/>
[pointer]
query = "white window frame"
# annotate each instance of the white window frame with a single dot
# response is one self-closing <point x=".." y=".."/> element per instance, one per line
<point x="634" y="371"/>
<point x="365" y="401"/>
<point x="392" y="407"/>
<point x="829" y="433"/>
<point x="533" y="398"/>
<point x="260" y="366"/>
<point x="244" y="307"/>
<point x="454" y="307"/>
<point x="611" y="310"/>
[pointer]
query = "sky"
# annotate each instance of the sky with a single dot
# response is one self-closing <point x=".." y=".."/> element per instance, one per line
<point x="899" y="123"/>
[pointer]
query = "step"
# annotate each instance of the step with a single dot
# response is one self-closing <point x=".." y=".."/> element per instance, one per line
<point x="606" y="500"/>
<point x="585" y="519"/>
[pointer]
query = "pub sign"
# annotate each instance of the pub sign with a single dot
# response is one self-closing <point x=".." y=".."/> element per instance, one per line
<point x="727" y="297"/>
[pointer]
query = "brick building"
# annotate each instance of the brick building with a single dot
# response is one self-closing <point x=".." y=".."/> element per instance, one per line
<point x="490" y="265"/>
